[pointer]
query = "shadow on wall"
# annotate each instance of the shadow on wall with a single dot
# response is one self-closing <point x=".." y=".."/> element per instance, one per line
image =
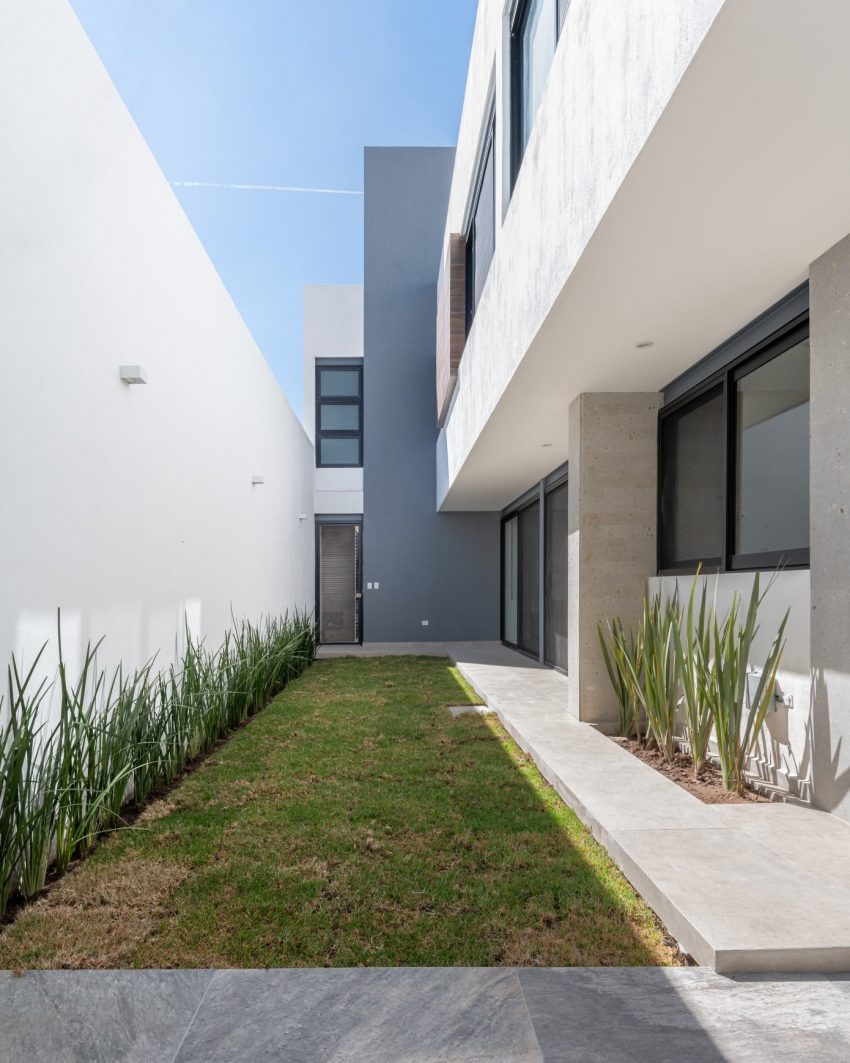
<point x="830" y="784"/>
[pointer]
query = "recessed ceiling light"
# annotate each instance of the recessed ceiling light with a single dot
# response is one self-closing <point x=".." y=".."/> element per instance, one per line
<point x="644" y="344"/>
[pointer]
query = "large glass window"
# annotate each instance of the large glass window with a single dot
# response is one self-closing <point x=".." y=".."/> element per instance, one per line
<point x="734" y="488"/>
<point x="693" y="482"/>
<point x="481" y="235"/>
<point x="534" y="37"/>
<point x="772" y="450"/>
<point x="339" y="416"/>
<point x="555" y="578"/>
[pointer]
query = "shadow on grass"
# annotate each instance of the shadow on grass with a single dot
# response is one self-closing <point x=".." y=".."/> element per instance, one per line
<point x="353" y="822"/>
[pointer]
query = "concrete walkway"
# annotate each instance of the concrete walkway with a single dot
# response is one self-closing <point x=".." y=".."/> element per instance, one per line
<point x="757" y="887"/>
<point x="424" y="1015"/>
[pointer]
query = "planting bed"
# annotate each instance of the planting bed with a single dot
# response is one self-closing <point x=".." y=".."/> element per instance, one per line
<point x="708" y="787"/>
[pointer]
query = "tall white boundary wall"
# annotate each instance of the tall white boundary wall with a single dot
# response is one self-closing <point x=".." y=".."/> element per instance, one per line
<point x="130" y="506"/>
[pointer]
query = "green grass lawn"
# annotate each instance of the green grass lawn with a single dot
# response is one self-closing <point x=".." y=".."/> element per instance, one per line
<point x="352" y="822"/>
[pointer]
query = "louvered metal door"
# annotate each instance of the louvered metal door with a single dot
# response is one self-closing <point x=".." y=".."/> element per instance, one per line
<point x="339" y="593"/>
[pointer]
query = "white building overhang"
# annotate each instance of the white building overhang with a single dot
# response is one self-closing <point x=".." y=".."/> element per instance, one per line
<point x="742" y="181"/>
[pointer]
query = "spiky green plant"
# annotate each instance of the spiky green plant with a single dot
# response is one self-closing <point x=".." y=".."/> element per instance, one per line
<point x="737" y="724"/>
<point x="657" y="686"/>
<point x="693" y="652"/>
<point x="622" y="653"/>
<point x="61" y="787"/>
<point x="27" y="807"/>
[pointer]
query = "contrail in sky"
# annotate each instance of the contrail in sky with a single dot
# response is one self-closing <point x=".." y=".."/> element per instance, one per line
<point x="266" y="188"/>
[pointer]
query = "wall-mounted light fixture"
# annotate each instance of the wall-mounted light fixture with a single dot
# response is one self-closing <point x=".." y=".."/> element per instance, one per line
<point x="133" y="374"/>
<point x="302" y="516"/>
<point x="257" y="480"/>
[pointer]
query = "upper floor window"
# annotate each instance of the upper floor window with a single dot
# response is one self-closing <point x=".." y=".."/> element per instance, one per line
<point x="734" y="463"/>
<point x="534" y="35"/>
<point x="339" y="416"/>
<point x="481" y="234"/>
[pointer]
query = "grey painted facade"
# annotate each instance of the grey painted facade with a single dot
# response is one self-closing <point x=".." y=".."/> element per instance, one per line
<point x="439" y="567"/>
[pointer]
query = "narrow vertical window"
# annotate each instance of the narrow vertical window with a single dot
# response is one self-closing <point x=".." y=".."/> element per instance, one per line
<point x="556" y="577"/>
<point x="481" y="234"/>
<point x="693" y="483"/>
<point x="533" y="41"/>
<point x="339" y="416"/>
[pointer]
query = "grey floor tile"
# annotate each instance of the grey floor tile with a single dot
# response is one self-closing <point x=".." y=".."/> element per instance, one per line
<point x="656" y="1015"/>
<point x="610" y="1016"/>
<point x="398" y="1016"/>
<point x="94" y="1016"/>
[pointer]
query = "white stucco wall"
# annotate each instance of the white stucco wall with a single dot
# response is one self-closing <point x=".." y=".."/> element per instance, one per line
<point x="657" y="201"/>
<point x="785" y="753"/>
<point x="614" y="71"/>
<point x="127" y="506"/>
<point x="333" y="328"/>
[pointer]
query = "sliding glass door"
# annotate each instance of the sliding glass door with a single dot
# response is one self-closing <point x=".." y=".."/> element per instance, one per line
<point x="521" y="579"/>
<point x="534" y="576"/>
<point x="555" y="576"/>
<point x="510" y="580"/>
<point x="529" y="579"/>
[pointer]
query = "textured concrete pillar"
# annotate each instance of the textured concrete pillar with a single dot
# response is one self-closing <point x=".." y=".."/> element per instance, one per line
<point x="612" y="521"/>
<point x="830" y="528"/>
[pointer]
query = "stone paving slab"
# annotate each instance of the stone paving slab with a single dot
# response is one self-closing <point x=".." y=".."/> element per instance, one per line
<point x="97" y="1016"/>
<point x="423" y="1015"/>
<point x="758" y="887"/>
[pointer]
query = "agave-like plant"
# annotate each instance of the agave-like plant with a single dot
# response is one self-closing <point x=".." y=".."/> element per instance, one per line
<point x="657" y="687"/>
<point x="622" y="653"/>
<point x="738" y="721"/>
<point x="693" y="653"/>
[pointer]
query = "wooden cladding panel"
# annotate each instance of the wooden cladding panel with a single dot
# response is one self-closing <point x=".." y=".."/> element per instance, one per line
<point x="451" y="320"/>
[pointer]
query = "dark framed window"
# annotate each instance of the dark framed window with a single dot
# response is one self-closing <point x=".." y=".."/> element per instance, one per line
<point x="339" y="416"/>
<point x="481" y="234"/>
<point x="534" y="36"/>
<point x="734" y="463"/>
<point x="556" y="577"/>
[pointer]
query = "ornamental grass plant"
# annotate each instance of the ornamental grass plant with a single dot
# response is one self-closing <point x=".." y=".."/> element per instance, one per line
<point x="118" y="738"/>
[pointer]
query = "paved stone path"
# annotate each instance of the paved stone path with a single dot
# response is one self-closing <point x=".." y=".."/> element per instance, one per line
<point x="421" y="1015"/>
<point x="755" y="887"/>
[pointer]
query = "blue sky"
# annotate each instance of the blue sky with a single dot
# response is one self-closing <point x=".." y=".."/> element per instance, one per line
<point x="282" y="92"/>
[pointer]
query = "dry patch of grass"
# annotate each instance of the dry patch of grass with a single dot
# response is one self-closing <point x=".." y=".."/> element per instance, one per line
<point x="354" y="822"/>
<point x="95" y="917"/>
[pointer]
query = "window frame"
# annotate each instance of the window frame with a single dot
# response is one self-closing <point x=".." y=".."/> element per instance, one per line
<point x="338" y="366"/>
<point x="518" y="24"/>
<point x="726" y="380"/>
<point x="488" y="153"/>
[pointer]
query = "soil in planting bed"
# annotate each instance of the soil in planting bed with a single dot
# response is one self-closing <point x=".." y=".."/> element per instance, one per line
<point x="708" y="787"/>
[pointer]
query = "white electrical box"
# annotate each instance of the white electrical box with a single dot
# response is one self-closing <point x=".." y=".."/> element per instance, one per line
<point x="133" y="374"/>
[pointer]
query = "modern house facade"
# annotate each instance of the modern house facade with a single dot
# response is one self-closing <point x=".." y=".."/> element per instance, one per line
<point x="638" y="311"/>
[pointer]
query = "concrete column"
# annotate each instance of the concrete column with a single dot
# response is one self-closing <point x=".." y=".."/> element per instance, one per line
<point x="612" y="521"/>
<point x="830" y="528"/>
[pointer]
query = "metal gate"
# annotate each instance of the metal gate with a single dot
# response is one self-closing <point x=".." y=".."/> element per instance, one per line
<point x="339" y="591"/>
